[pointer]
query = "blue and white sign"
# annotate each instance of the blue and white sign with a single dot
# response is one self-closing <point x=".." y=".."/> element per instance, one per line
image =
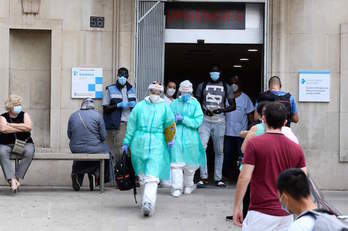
<point x="87" y="83"/>
<point x="314" y="86"/>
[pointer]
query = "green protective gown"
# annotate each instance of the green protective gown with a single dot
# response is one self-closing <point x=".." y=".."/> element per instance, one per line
<point x="188" y="148"/>
<point x="145" y="137"/>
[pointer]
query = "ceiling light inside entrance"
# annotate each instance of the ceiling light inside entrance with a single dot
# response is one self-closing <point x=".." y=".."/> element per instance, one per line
<point x="244" y="59"/>
<point x="237" y="66"/>
<point x="253" y="50"/>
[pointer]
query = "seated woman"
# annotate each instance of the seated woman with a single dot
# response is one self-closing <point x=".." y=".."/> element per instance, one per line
<point x="15" y="124"/>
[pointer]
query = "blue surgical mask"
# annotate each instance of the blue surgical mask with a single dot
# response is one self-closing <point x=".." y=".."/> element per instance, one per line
<point x="17" y="109"/>
<point x="284" y="207"/>
<point x="214" y="75"/>
<point x="122" y="80"/>
<point x="185" y="97"/>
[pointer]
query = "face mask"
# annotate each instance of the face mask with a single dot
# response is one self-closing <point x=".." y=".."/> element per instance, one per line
<point x="122" y="80"/>
<point x="185" y="97"/>
<point x="170" y="92"/>
<point x="235" y="87"/>
<point x="17" y="109"/>
<point x="214" y="75"/>
<point x="154" y="98"/>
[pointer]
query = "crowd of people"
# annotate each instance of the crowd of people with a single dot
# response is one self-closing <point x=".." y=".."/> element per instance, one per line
<point x="218" y="110"/>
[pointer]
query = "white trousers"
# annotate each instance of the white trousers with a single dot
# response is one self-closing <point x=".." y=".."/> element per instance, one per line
<point x="182" y="176"/>
<point x="256" y="221"/>
<point x="150" y="191"/>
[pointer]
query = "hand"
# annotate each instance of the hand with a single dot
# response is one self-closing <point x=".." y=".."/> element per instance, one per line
<point x="209" y="113"/>
<point x="125" y="148"/>
<point x="122" y="105"/>
<point x="131" y="104"/>
<point x="218" y="111"/>
<point x="171" y="144"/>
<point x="178" y="118"/>
<point x="238" y="218"/>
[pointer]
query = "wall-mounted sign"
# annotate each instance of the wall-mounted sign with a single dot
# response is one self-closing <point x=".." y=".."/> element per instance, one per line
<point x="87" y="83"/>
<point x="314" y="86"/>
<point x="223" y="16"/>
<point x="97" y="22"/>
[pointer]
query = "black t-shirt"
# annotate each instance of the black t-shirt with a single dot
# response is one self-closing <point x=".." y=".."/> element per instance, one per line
<point x="10" y="138"/>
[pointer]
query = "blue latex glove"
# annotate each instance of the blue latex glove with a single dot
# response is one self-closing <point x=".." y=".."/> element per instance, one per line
<point x="178" y="118"/>
<point x="131" y="104"/>
<point x="125" y="148"/>
<point x="122" y="105"/>
<point x="171" y="144"/>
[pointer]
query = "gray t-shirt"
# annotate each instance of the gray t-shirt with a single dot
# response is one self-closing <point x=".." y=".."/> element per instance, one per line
<point x="214" y="97"/>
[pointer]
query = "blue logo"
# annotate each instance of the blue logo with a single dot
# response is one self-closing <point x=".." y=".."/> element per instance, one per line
<point x="303" y="81"/>
<point x="75" y="73"/>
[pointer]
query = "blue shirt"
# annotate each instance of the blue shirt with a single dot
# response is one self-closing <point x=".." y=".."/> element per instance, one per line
<point x="293" y="106"/>
<point x="237" y="120"/>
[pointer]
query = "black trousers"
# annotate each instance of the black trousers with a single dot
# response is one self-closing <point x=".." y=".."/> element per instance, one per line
<point x="80" y="168"/>
<point x="232" y="151"/>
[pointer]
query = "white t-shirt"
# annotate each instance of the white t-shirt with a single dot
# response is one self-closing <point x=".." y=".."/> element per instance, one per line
<point x="305" y="223"/>
<point x="237" y="120"/>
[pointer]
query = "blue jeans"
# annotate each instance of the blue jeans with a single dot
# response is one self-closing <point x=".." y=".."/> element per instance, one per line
<point x="217" y="132"/>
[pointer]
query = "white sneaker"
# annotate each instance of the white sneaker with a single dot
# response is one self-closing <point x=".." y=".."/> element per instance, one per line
<point x="189" y="190"/>
<point x="176" y="193"/>
<point x="147" y="209"/>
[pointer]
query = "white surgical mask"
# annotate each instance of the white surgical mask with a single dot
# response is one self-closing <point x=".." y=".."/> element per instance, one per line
<point x="122" y="80"/>
<point x="235" y="87"/>
<point x="170" y="92"/>
<point x="154" y="98"/>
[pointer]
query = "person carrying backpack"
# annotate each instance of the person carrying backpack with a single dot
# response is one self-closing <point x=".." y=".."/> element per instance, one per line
<point x="274" y="94"/>
<point x="213" y="96"/>
<point x="294" y="193"/>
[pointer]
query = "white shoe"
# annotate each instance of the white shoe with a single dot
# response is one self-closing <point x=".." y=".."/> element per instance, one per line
<point x="147" y="209"/>
<point x="176" y="193"/>
<point x="189" y="190"/>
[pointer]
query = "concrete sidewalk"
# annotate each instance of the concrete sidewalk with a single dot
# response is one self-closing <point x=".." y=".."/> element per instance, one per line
<point x="41" y="209"/>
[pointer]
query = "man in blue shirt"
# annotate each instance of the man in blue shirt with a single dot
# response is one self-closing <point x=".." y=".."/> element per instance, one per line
<point x="275" y="94"/>
<point x="236" y="121"/>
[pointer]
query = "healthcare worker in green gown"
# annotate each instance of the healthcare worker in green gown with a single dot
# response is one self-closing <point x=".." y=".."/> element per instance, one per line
<point x="188" y="152"/>
<point x="148" y="147"/>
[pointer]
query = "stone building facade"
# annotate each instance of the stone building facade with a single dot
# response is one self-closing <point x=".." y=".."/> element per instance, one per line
<point x="41" y="41"/>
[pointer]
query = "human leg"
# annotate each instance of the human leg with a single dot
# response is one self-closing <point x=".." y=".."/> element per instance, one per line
<point x="177" y="179"/>
<point x="228" y="152"/>
<point x="119" y="137"/>
<point x="204" y="134"/>
<point x="189" y="173"/>
<point x="25" y="162"/>
<point x="218" y="133"/>
<point x="149" y="195"/>
<point x="6" y="165"/>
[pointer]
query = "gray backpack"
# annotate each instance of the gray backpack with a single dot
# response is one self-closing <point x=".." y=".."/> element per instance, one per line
<point x="325" y="221"/>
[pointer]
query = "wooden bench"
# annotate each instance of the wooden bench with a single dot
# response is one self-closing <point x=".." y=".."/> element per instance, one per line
<point x="73" y="156"/>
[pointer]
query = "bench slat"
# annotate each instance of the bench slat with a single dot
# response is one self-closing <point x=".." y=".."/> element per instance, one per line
<point x="66" y="156"/>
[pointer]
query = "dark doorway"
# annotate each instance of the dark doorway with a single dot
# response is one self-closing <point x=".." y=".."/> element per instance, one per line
<point x="193" y="61"/>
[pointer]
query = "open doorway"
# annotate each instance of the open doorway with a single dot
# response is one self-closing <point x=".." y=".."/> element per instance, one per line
<point x="193" y="61"/>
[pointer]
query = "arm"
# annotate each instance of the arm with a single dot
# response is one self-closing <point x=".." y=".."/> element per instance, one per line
<point x="23" y="127"/>
<point x="231" y="107"/>
<point x="102" y="129"/>
<point x="69" y="132"/>
<point x="131" y="126"/>
<point x="242" y="185"/>
<point x="251" y="117"/>
<point x="251" y="134"/>
<point x="294" y="111"/>
<point x="106" y="103"/>
<point x="5" y="128"/>
<point x="196" y="120"/>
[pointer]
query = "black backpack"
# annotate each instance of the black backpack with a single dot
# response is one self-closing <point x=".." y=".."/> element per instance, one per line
<point x="125" y="175"/>
<point x="284" y="99"/>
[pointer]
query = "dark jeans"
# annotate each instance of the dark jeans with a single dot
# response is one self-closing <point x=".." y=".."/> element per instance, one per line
<point x="80" y="168"/>
<point x="232" y="150"/>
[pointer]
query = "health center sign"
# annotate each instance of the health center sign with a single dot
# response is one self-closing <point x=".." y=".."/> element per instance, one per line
<point x="314" y="86"/>
<point x="87" y="83"/>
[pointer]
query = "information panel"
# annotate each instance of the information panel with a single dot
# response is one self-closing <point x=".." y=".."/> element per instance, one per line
<point x="87" y="83"/>
<point x="314" y="86"/>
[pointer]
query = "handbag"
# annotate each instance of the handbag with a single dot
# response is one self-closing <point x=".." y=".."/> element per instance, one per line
<point x="18" y="146"/>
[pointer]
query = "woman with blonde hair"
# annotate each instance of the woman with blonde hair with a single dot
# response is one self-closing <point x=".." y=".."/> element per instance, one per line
<point x="15" y="137"/>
